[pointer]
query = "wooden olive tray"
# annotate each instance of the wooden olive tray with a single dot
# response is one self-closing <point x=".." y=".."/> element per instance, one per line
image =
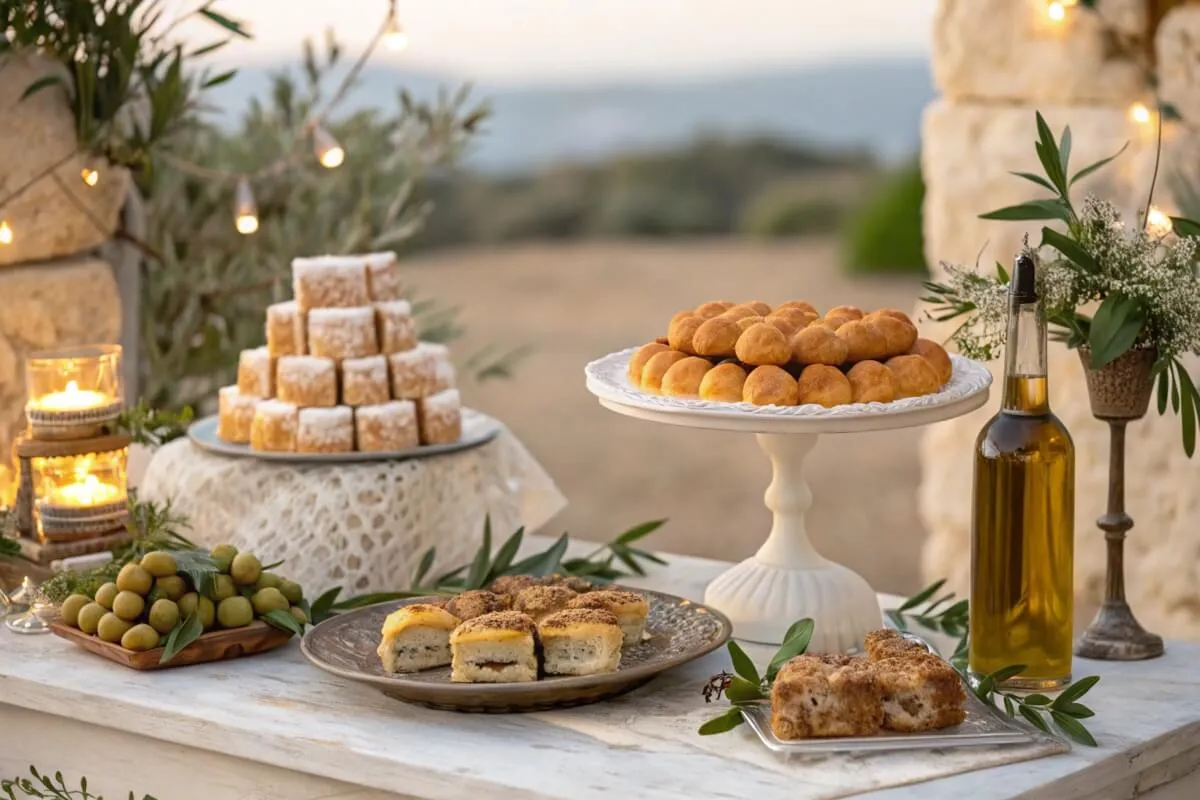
<point x="257" y="637"/>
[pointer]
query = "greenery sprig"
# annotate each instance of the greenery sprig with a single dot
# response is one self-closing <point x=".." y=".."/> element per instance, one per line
<point x="51" y="788"/>
<point x="153" y="426"/>
<point x="935" y="614"/>
<point x="618" y="558"/>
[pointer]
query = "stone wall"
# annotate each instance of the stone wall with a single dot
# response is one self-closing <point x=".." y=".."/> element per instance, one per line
<point x="995" y="62"/>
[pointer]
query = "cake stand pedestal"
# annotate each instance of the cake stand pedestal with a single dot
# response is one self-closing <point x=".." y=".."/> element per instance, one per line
<point x="787" y="579"/>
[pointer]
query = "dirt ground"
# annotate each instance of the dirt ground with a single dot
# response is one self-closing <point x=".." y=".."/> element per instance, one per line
<point x="576" y="302"/>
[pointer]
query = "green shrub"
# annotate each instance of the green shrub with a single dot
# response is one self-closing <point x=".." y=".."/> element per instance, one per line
<point x="791" y="209"/>
<point x="884" y="235"/>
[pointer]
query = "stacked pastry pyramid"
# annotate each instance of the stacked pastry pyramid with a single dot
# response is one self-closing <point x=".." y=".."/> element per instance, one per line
<point x="342" y="369"/>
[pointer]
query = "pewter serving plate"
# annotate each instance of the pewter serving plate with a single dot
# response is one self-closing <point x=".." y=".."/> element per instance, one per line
<point x="679" y="631"/>
<point x="477" y="429"/>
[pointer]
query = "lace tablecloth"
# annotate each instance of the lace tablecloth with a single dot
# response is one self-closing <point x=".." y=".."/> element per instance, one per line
<point x="362" y="526"/>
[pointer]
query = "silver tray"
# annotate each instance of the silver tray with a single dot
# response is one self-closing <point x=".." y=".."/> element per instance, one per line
<point x="478" y="429"/>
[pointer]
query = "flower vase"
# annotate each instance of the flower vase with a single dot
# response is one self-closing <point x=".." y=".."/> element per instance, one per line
<point x="1119" y="392"/>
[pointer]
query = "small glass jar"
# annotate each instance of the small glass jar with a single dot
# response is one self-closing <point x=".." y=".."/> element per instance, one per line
<point x="80" y="496"/>
<point x="73" y="392"/>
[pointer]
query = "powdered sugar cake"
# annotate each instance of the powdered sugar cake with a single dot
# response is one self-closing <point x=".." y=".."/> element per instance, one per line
<point x="256" y="373"/>
<point x="383" y="276"/>
<point x="325" y="430"/>
<point x="397" y="331"/>
<point x="285" y="329"/>
<point x="365" y="381"/>
<point x="439" y="417"/>
<point x="235" y="414"/>
<point x="415" y="371"/>
<point x="387" y="426"/>
<point x="274" y="426"/>
<point x="307" y="381"/>
<point x="342" y="332"/>
<point x="330" y="282"/>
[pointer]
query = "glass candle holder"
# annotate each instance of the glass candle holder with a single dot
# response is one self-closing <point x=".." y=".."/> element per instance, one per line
<point x="73" y="392"/>
<point x="79" y="496"/>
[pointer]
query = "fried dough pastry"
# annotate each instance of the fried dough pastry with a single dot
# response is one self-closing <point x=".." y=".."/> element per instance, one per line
<point x="936" y="355"/>
<point x="831" y="324"/>
<point x="656" y="368"/>
<point x="785" y="325"/>
<point x="853" y="312"/>
<point x="863" y="341"/>
<point x="745" y="323"/>
<point x="638" y="360"/>
<point x="682" y="379"/>
<point x="737" y="312"/>
<point x="817" y="344"/>
<point x="802" y="305"/>
<point x="770" y="386"/>
<point x="814" y="696"/>
<point x="920" y="692"/>
<point x="914" y="376"/>
<point x="681" y="331"/>
<point x="717" y="337"/>
<point x="893" y="313"/>
<point x="887" y="643"/>
<point x="871" y="382"/>
<point x="823" y="385"/>
<point x="760" y="308"/>
<point x="713" y="309"/>
<point x="898" y="336"/>
<point x="763" y="344"/>
<point x="723" y="383"/>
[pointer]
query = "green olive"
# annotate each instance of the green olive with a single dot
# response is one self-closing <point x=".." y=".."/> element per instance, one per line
<point x="164" y="615"/>
<point x="268" y="580"/>
<point x="171" y="587"/>
<point x="235" y="612"/>
<point x="298" y="613"/>
<point x="106" y="594"/>
<point x="134" y="578"/>
<point x="159" y="564"/>
<point x="112" y="627"/>
<point x="223" y="555"/>
<point x="69" y="611"/>
<point x="268" y="600"/>
<point x="292" y="591"/>
<point x="140" y="638"/>
<point x="245" y="569"/>
<point x="89" y="617"/>
<point x="187" y="604"/>
<point x="223" y="587"/>
<point x="129" y="606"/>
<point x="207" y="612"/>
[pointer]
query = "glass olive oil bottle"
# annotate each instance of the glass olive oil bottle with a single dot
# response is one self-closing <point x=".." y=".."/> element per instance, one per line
<point x="1023" y="535"/>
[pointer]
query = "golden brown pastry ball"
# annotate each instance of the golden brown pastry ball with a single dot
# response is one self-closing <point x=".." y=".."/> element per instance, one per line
<point x="831" y="324"/>
<point x="871" y="382"/>
<point x="716" y="337"/>
<point x="639" y="359"/>
<point x="823" y="385"/>
<point x="852" y="312"/>
<point x="817" y="344"/>
<point x="786" y="325"/>
<point x="682" y="379"/>
<point x="713" y="309"/>
<point x="745" y="323"/>
<point x="898" y="335"/>
<point x="770" y="386"/>
<point x="914" y="376"/>
<point x="657" y="366"/>
<point x="862" y="341"/>
<point x="681" y="331"/>
<point x="723" y="383"/>
<point x="894" y="314"/>
<point x="760" y="308"/>
<point x="738" y="312"/>
<point x="664" y="341"/>
<point x="937" y="357"/>
<point x="799" y="317"/>
<point x="763" y="344"/>
<point x="800" y="305"/>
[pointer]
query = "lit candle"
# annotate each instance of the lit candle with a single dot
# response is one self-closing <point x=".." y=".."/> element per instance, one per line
<point x="72" y="399"/>
<point x="90" y="491"/>
<point x="1158" y="223"/>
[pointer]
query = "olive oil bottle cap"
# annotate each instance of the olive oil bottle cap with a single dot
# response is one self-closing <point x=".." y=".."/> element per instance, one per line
<point x="1024" y="280"/>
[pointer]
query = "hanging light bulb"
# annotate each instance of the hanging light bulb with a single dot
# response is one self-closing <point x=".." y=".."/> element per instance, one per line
<point x="328" y="151"/>
<point x="1158" y="223"/>
<point x="395" y="38"/>
<point x="1139" y="113"/>
<point x="6" y="234"/>
<point x="1057" y="10"/>
<point x="90" y="176"/>
<point x="245" y="214"/>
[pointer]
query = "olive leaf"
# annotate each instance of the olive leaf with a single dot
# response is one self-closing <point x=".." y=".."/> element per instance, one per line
<point x="283" y="620"/>
<point x="726" y="722"/>
<point x="1115" y="327"/>
<point x="182" y="635"/>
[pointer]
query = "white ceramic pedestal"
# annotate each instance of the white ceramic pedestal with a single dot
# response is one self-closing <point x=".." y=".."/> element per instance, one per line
<point x="787" y="579"/>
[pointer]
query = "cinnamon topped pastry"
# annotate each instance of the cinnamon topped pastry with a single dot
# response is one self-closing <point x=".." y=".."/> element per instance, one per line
<point x="920" y="692"/>
<point x="513" y="585"/>
<point x="580" y="641"/>
<point x="817" y="696"/>
<point x="416" y="637"/>
<point x="542" y="601"/>
<point x="629" y="608"/>
<point x="476" y="603"/>
<point x="494" y="648"/>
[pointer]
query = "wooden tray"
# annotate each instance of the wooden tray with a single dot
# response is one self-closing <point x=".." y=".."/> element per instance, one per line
<point x="257" y="637"/>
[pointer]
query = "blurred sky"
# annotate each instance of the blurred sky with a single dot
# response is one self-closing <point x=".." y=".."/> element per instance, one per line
<point x="550" y="41"/>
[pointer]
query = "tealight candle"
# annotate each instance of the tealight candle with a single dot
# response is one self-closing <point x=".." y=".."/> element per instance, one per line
<point x="89" y="492"/>
<point x="72" y="399"/>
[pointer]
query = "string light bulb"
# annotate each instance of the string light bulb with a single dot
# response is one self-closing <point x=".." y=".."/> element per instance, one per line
<point x="1139" y="113"/>
<point x="90" y="176"/>
<point x="327" y="149"/>
<point x="245" y="214"/>
<point x="1158" y="223"/>
<point x="395" y="38"/>
<point x="1057" y="9"/>
<point x="6" y="234"/>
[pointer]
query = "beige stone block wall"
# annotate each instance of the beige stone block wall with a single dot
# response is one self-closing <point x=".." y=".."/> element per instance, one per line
<point x="1178" y="43"/>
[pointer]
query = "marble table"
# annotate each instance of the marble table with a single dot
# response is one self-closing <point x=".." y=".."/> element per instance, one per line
<point x="272" y="726"/>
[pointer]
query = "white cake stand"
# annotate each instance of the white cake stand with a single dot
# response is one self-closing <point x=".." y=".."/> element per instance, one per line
<point x="787" y="579"/>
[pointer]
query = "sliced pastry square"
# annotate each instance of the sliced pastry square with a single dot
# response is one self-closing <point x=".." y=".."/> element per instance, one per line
<point x="888" y="643"/>
<point x="825" y="695"/>
<point x="920" y="693"/>
<point x="416" y="637"/>
<point x="540" y="602"/>
<point x="580" y="641"/>
<point x="494" y="648"/>
<point x="630" y="609"/>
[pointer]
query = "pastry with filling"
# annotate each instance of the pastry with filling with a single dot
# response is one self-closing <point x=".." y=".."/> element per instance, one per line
<point x="580" y="641"/>
<point x="513" y="585"/>
<point x="416" y="637"/>
<point x="572" y="582"/>
<point x="638" y="360"/>
<point x="823" y="385"/>
<point x="683" y="377"/>
<point x="494" y="648"/>
<point x="863" y="341"/>
<point x="630" y="609"/>
<point x="330" y="282"/>
<point x="898" y="336"/>
<point x="682" y="330"/>
<point x="542" y="601"/>
<point x="713" y="309"/>
<point x="762" y="344"/>
<point x="723" y="383"/>
<point x="476" y="603"/>
<point x="920" y="692"/>
<point x="914" y="376"/>
<point x="937" y="357"/>
<point x="818" y="344"/>
<point x="817" y="696"/>
<point x="656" y="368"/>
<point x="871" y="382"/>
<point x="717" y="337"/>
<point x="770" y="386"/>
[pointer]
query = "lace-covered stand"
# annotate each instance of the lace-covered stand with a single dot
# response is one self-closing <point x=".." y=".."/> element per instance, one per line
<point x="363" y="525"/>
<point x="787" y="579"/>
